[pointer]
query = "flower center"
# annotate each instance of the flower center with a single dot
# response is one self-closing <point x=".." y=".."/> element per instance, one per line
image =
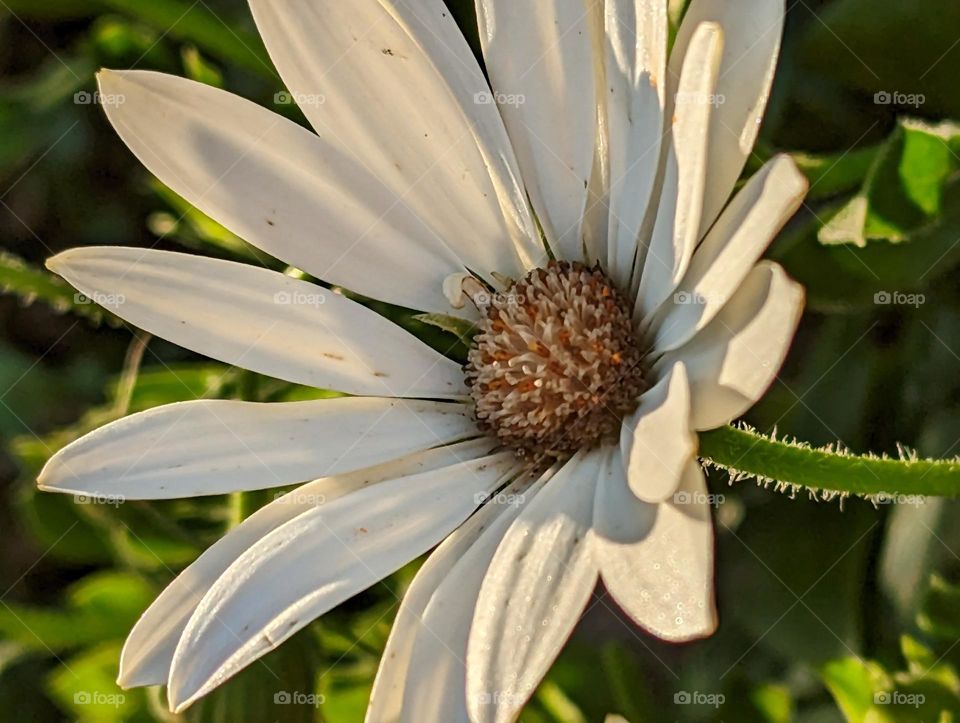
<point x="557" y="362"/>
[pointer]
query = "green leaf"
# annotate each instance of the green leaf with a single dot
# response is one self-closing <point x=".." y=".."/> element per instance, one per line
<point x="903" y="189"/>
<point x="196" y="23"/>
<point x="747" y="453"/>
<point x="100" y="607"/>
<point x="192" y="228"/>
<point x="197" y="68"/>
<point x="30" y="283"/>
<point x="852" y="683"/>
<point x="452" y="324"/>
<point x="940" y="614"/>
<point x="85" y="686"/>
<point x="833" y="174"/>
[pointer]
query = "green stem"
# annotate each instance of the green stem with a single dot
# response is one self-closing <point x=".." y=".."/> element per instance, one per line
<point x="744" y="451"/>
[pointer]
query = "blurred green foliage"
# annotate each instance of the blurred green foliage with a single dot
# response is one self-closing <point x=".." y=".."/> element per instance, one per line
<point x="829" y="611"/>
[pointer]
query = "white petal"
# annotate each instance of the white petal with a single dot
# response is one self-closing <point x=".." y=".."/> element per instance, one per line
<point x="209" y="447"/>
<point x="535" y="589"/>
<point x="730" y="250"/>
<point x="752" y="30"/>
<point x="403" y="96"/>
<point x="435" y="686"/>
<point x="298" y="197"/>
<point x="656" y="441"/>
<point x="677" y="227"/>
<point x="260" y="320"/>
<point x="657" y="560"/>
<point x="149" y="649"/>
<point x="387" y="698"/>
<point x="733" y="361"/>
<point x="541" y="62"/>
<point x="314" y="562"/>
<point x="636" y="79"/>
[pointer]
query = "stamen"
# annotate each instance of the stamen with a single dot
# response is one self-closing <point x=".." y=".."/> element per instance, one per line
<point x="557" y="363"/>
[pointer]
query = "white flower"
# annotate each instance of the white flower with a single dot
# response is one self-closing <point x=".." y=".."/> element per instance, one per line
<point x="595" y="377"/>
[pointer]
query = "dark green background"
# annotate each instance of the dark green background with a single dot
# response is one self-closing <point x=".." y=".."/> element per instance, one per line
<point x="815" y="597"/>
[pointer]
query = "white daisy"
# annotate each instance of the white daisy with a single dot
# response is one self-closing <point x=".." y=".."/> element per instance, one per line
<point x="584" y="390"/>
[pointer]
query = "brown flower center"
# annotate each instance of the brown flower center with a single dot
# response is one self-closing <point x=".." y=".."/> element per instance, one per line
<point x="557" y="363"/>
